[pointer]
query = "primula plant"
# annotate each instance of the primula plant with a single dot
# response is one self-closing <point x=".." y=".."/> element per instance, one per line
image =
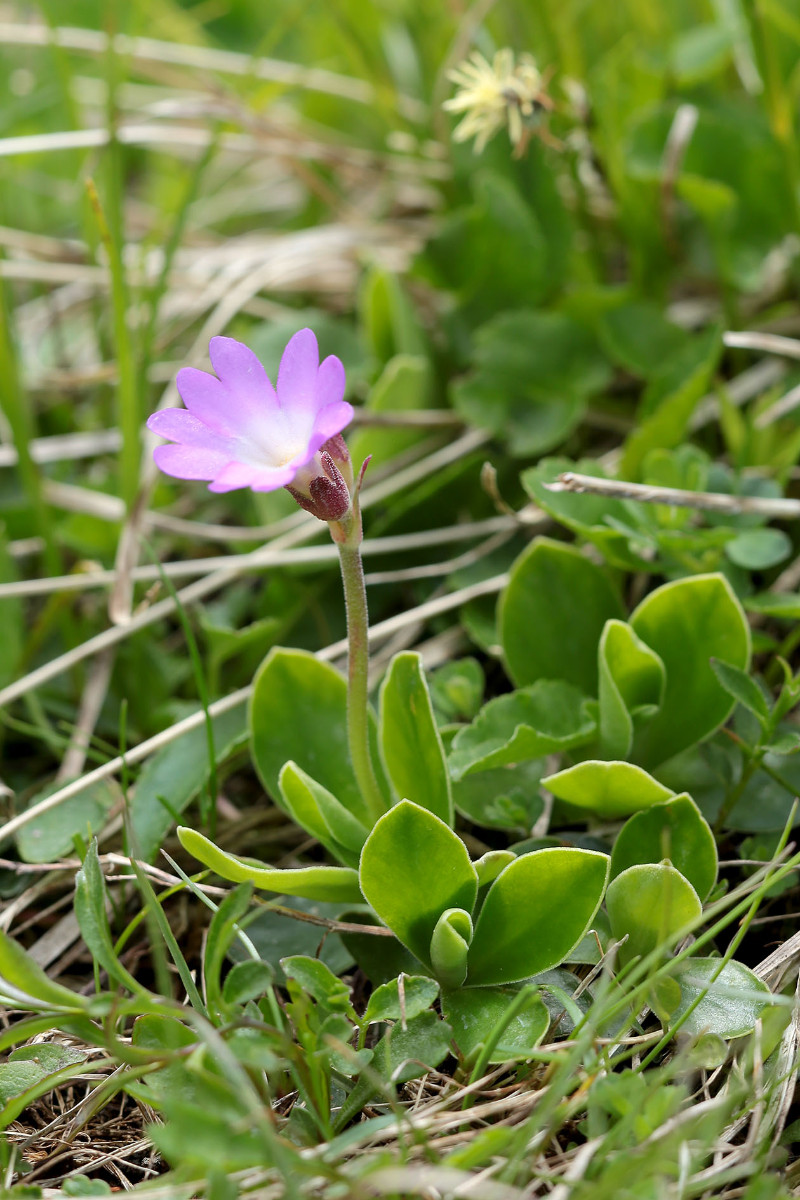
<point x="612" y="697"/>
<point x="493" y="922"/>
<point x="511" y="293"/>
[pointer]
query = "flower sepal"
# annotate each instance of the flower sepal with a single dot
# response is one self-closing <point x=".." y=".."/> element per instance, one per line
<point x="321" y="488"/>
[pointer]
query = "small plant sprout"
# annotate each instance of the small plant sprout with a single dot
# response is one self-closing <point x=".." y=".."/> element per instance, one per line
<point x="239" y="431"/>
<point x="502" y="93"/>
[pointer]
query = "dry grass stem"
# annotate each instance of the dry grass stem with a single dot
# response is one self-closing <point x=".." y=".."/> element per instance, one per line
<point x="716" y="502"/>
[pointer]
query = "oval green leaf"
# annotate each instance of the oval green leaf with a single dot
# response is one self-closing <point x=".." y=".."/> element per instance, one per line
<point x="337" y="884"/>
<point x="478" y="1017"/>
<point x="314" y="808"/>
<point x="536" y="910"/>
<point x="413" y="868"/>
<point x="648" y="904"/>
<point x="675" y="830"/>
<point x="552" y="615"/>
<point x="687" y="623"/>
<point x="731" y="998"/>
<point x="409" y="739"/>
<point x="298" y="711"/>
<point x="607" y="789"/>
<point x="631" y="676"/>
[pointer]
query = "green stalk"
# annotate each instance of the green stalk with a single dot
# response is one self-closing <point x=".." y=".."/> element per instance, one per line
<point x="127" y="384"/>
<point x="19" y="415"/>
<point x="355" y="598"/>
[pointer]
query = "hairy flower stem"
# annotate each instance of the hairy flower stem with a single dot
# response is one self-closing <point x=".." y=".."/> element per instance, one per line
<point x="355" y="597"/>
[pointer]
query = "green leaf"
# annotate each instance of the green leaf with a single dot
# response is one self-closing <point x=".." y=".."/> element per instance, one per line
<point x="386" y="1003"/>
<point x="504" y="798"/>
<point x="637" y="335"/>
<point x="598" y="519"/>
<point x="247" y="980"/>
<point x="31" y="1071"/>
<point x="742" y="687"/>
<point x="552" y="615"/>
<point x="632" y="676"/>
<point x="298" y="712"/>
<point x="406" y="1053"/>
<point x="403" y="386"/>
<point x="91" y="902"/>
<point x="23" y="982"/>
<point x="314" y="808"/>
<point x="687" y="623"/>
<point x="734" y="997"/>
<point x="318" y="981"/>
<point x="490" y="864"/>
<point x="675" y="830"/>
<point x="536" y="910"/>
<point x="671" y="399"/>
<point x="221" y="932"/>
<point x="50" y="836"/>
<point x="759" y="549"/>
<point x="647" y="904"/>
<point x="533" y="375"/>
<point x="178" y="773"/>
<point x="449" y="947"/>
<point x="477" y="1016"/>
<point x="457" y="689"/>
<point x="608" y="789"/>
<point x="388" y="317"/>
<point x="315" y="883"/>
<point x="414" y="868"/>
<point x="409" y="739"/>
<point x="545" y="718"/>
<point x="783" y="605"/>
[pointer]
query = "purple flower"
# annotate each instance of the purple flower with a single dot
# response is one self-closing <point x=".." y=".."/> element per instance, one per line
<point x="238" y="431"/>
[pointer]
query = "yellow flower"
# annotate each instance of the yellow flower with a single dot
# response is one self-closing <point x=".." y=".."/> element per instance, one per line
<point x="493" y="95"/>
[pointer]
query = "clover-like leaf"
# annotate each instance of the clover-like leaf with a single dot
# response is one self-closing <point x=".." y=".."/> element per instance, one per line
<point x="545" y="718"/>
<point x="729" y="998"/>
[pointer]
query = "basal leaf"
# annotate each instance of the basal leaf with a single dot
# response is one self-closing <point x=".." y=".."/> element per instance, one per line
<point x="552" y="615"/>
<point x="315" y="883"/>
<point x="545" y="718"/>
<point x="536" y="910"/>
<point x="410" y="743"/>
<point x="607" y="789"/>
<point x="413" y="868"/>
<point x="687" y="623"/>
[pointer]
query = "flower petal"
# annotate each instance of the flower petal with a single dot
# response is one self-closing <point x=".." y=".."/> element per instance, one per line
<point x="330" y="381"/>
<point x="238" y="368"/>
<point x="260" y="479"/>
<point x="207" y="400"/>
<point x="188" y="462"/>
<point x="332" y="419"/>
<point x="181" y="426"/>
<point x="297" y="374"/>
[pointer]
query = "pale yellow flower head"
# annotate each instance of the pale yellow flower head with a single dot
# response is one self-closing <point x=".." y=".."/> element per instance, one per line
<point x="494" y="95"/>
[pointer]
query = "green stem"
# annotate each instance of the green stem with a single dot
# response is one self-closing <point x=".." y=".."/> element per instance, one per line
<point x="355" y="598"/>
